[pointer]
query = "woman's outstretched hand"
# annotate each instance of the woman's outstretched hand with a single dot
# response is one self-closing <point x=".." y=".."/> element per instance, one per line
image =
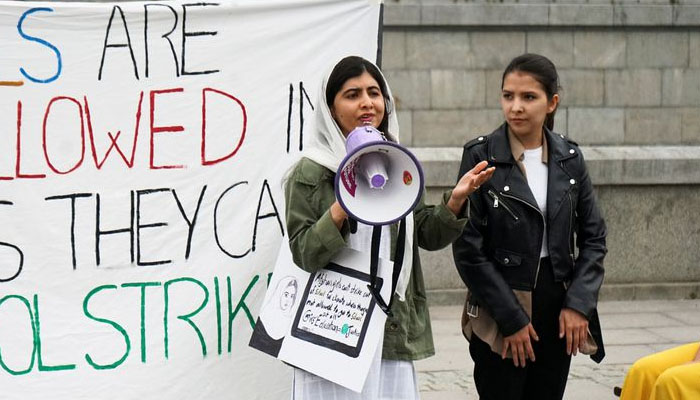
<point x="467" y="184"/>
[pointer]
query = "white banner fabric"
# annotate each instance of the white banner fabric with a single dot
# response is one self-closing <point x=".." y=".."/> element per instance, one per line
<point x="142" y="151"/>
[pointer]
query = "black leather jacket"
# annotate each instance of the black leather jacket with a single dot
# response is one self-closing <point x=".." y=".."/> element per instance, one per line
<point x="499" y="249"/>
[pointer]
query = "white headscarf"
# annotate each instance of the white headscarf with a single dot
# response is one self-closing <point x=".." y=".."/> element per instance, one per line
<point x="326" y="146"/>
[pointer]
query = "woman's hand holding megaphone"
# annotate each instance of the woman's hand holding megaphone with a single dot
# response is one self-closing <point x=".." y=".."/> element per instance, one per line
<point x="467" y="184"/>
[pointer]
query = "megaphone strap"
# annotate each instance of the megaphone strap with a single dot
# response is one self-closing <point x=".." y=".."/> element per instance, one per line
<point x="374" y="286"/>
<point x="352" y="223"/>
<point x="374" y="262"/>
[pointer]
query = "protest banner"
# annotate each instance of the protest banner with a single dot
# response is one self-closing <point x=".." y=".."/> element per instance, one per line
<point x="141" y="206"/>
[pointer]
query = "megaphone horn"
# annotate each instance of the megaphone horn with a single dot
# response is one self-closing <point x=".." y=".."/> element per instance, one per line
<point x="378" y="182"/>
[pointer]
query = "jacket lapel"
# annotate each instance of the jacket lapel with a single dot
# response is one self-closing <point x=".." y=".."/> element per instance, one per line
<point x="514" y="183"/>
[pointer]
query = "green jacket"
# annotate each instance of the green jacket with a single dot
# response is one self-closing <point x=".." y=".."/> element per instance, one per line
<point x="314" y="240"/>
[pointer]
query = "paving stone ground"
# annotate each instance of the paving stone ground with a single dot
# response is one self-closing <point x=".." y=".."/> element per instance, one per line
<point x="631" y="329"/>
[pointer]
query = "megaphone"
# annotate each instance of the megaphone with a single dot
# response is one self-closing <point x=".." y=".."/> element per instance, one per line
<point x="378" y="182"/>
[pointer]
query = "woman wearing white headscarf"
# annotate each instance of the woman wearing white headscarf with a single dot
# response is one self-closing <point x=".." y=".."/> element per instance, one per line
<point x="354" y="94"/>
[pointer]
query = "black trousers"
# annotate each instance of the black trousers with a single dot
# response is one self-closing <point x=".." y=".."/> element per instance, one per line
<point x="544" y="379"/>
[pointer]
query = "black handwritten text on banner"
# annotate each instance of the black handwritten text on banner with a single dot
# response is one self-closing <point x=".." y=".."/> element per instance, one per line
<point x="144" y="146"/>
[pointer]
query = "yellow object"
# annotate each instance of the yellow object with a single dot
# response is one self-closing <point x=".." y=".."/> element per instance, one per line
<point x="667" y="375"/>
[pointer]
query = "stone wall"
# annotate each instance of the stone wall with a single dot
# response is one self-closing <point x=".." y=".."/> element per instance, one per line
<point x="630" y="77"/>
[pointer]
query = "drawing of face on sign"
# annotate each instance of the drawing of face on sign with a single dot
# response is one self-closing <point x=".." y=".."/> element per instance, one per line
<point x="277" y="314"/>
<point x="289" y="295"/>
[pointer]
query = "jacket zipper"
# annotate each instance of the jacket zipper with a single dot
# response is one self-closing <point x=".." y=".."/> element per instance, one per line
<point x="544" y="225"/>
<point x="571" y="223"/>
<point x="568" y="239"/>
<point x="497" y="203"/>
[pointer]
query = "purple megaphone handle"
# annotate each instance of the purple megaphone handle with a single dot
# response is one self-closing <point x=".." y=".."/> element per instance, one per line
<point x="373" y="166"/>
<point x="360" y="136"/>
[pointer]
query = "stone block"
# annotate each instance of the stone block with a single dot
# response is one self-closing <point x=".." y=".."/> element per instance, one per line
<point x="645" y="291"/>
<point x="651" y="227"/>
<point x="652" y="126"/>
<point x="581" y="14"/>
<point x="644" y="165"/>
<point x="445" y="369"/>
<point x="694" y="48"/>
<point x="452" y="297"/>
<point x="600" y="49"/>
<point x="676" y="334"/>
<point x="585" y="389"/>
<point x="686" y="15"/>
<point x="493" y="87"/>
<point x="657" y="49"/>
<point x="689" y="317"/>
<point x="438" y="49"/>
<point x="632" y="336"/>
<point x="626" y="354"/>
<point x="453" y="128"/>
<point x="596" y="125"/>
<point x="494" y="50"/>
<point x="642" y="15"/>
<point x="675" y="290"/>
<point x="561" y="120"/>
<point x="433" y="192"/>
<point x="690" y="125"/>
<point x="454" y="89"/>
<point x="405" y="127"/>
<point x="555" y="44"/>
<point x="440" y="167"/>
<point x="634" y="320"/>
<point x="401" y="15"/>
<point x="393" y="49"/>
<point x="462" y="49"/>
<point x="411" y="88"/>
<point x="633" y="87"/>
<point x="582" y="87"/>
<point x="443" y="273"/>
<point x="615" y="307"/>
<point x="681" y="87"/>
<point x="484" y="14"/>
<point x="612" y="291"/>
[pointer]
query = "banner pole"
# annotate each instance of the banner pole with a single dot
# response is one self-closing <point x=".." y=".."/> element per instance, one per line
<point x="380" y="35"/>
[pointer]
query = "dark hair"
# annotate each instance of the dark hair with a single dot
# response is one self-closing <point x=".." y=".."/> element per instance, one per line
<point x="352" y="67"/>
<point x="544" y="72"/>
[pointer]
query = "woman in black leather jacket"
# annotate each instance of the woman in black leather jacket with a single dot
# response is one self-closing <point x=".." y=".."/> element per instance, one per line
<point x="532" y="252"/>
